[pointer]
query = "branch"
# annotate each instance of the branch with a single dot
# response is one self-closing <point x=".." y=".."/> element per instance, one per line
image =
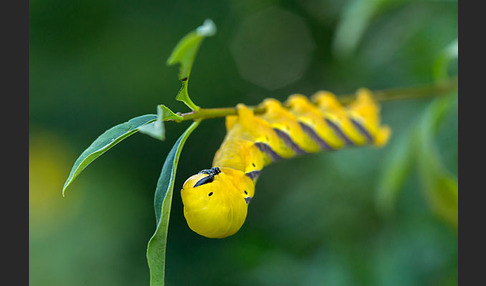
<point x="401" y="93"/>
<point x="414" y="92"/>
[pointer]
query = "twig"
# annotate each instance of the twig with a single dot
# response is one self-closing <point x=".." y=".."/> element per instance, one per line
<point x="401" y="93"/>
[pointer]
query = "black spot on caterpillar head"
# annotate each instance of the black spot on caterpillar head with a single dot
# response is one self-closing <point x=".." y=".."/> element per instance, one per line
<point x="184" y="79"/>
<point x="211" y="173"/>
<point x="210" y="194"/>
<point x="204" y="180"/>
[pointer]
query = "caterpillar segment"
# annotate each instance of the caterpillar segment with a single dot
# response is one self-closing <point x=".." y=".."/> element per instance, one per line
<point x="216" y="200"/>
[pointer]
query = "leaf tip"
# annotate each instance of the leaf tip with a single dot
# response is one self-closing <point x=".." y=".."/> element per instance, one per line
<point x="168" y="114"/>
<point x="64" y="189"/>
<point x="207" y="29"/>
<point x="155" y="129"/>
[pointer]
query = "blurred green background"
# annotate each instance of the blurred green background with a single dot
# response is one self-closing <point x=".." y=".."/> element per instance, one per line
<point x="360" y="216"/>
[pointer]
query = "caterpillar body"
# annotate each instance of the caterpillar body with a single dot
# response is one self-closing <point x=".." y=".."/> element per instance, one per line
<point x="216" y="200"/>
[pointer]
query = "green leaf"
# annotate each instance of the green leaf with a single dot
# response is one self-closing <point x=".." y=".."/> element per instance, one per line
<point x="155" y="129"/>
<point x="168" y="114"/>
<point x="442" y="62"/>
<point x="417" y="148"/>
<point x="156" y="247"/>
<point x="354" y="21"/>
<point x="441" y="189"/>
<point x="396" y="169"/>
<point x="104" y="142"/>
<point x="440" y="186"/>
<point x="184" y="53"/>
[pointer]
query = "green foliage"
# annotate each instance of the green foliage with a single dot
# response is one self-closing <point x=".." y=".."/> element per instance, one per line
<point x="156" y="247"/>
<point x="417" y="148"/>
<point x="155" y="129"/>
<point x="442" y="62"/>
<point x="440" y="186"/>
<point x="356" y="17"/>
<point x="396" y="169"/>
<point x="168" y="114"/>
<point x="185" y="53"/>
<point x="105" y="142"/>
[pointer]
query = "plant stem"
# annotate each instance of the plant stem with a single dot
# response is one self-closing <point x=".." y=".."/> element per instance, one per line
<point x="401" y="93"/>
<point x="413" y="92"/>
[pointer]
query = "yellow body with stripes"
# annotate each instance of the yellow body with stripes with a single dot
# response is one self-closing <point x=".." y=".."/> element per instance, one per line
<point x="216" y="200"/>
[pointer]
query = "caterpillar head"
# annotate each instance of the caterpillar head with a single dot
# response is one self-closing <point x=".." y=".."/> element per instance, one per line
<point x="216" y="201"/>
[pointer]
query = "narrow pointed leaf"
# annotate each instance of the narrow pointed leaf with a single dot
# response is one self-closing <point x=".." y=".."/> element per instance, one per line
<point x="155" y="129"/>
<point x="355" y="19"/>
<point x="396" y="169"/>
<point x="104" y="142"/>
<point x="450" y="53"/>
<point x="440" y="186"/>
<point x="156" y="247"/>
<point x="184" y="54"/>
<point x="168" y="114"/>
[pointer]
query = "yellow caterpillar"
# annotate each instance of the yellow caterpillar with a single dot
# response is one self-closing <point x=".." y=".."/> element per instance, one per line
<point x="216" y="200"/>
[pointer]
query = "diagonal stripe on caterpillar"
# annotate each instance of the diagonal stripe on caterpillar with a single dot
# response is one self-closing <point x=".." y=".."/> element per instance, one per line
<point x="216" y="200"/>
